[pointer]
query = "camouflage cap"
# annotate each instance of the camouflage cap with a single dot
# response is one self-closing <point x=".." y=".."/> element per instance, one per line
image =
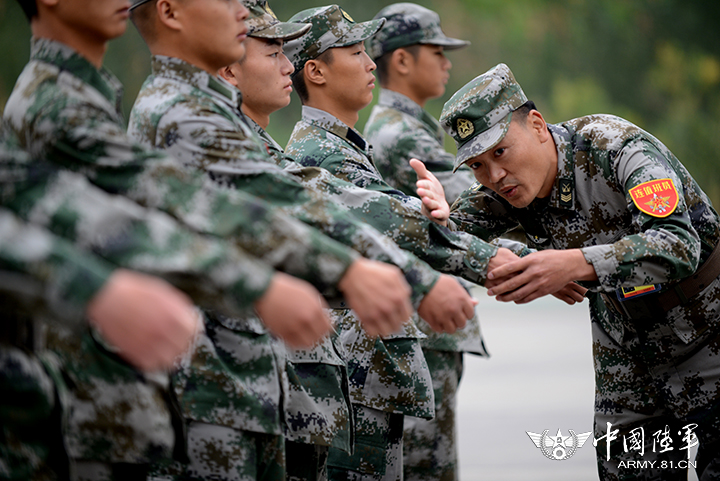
<point x="331" y="27"/>
<point x="263" y="23"/>
<point x="137" y="3"/>
<point x="409" y="24"/>
<point x="478" y="115"/>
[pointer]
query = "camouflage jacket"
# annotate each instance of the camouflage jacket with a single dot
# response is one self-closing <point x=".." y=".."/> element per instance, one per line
<point x="409" y="228"/>
<point x="399" y="130"/>
<point x="601" y="158"/>
<point x="65" y="110"/>
<point x="321" y="140"/>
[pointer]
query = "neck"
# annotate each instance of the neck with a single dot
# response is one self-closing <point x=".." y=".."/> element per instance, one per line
<point x="88" y="46"/>
<point x="173" y="47"/>
<point x="552" y="156"/>
<point x="348" y="117"/>
<point x="263" y="120"/>
<point x="402" y="87"/>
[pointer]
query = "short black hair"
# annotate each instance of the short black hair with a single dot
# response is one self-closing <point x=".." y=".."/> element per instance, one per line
<point x="383" y="60"/>
<point x="298" y="77"/>
<point x="29" y="7"/>
<point x="524" y="110"/>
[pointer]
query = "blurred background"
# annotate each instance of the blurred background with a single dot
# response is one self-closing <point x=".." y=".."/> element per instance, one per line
<point x="654" y="62"/>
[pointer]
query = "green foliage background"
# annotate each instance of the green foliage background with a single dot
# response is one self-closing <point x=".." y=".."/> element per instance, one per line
<point x="654" y="62"/>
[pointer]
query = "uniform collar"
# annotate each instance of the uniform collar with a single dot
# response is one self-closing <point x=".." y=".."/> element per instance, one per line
<point x="402" y="103"/>
<point x="65" y="58"/>
<point x="329" y="122"/>
<point x="182" y="71"/>
<point x="563" y="194"/>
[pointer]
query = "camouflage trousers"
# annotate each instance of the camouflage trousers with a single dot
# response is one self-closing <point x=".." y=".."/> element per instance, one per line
<point x="220" y="453"/>
<point x="31" y="445"/>
<point x="656" y="397"/>
<point x="306" y="462"/>
<point x="378" y="448"/>
<point x="429" y="445"/>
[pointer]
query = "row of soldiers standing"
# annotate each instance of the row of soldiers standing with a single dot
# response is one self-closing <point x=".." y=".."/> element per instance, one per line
<point x="216" y="217"/>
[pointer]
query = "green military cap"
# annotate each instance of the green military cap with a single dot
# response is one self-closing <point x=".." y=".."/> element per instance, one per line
<point x="331" y="27"/>
<point x="263" y="23"/>
<point x="409" y="24"/>
<point x="478" y="115"/>
<point x="137" y="3"/>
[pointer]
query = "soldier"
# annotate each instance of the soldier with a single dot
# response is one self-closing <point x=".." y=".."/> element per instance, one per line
<point x="47" y="279"/>
<point x="65" y="108"/>
<point x="412" y="68"/>
<point x="608" y="204"/>
<point x="172" y="112"/>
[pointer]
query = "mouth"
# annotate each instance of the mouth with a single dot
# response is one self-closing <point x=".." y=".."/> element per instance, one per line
<point x="243" y="34"/>
<point x="125" y="11"/>
<point x="509" y="191"/>
<point x="288" y="87"/>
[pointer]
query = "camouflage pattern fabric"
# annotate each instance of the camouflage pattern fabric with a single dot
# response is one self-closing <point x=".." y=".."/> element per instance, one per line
<point x="321" y="140"/>
<point x="210" y="132"/>
<point x="409" y="24"/>
<point x="331" y="27"/>
<point x="600" y="159"/>
<point x="226" y="454"/>
<point x="263" y="23"/>
<point x="399" y="130"/>
<point x="378" y="449"/>
<point x="71" y="117"/>
<point x="196" y="118"/>
<point x="429" y="445"/>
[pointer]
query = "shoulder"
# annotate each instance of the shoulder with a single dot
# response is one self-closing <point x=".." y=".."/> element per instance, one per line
<point x="603" y="132"/>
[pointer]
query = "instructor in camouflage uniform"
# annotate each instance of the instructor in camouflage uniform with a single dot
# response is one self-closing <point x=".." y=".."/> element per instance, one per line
<point x="607" y="204"/>
<point x="412" y="68"/>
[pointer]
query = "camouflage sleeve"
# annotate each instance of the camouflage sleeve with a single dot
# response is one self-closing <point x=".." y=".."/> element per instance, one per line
<point x="212" y="272"/>
<point x="661" y="249"/>
<point x="43" y="273"/>
<point x="97" y="146"/>
<point x="216" y="144"/>
<point x="480" y="214"/>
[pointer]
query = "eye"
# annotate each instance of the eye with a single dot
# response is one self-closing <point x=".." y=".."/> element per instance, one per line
<point x="499" y="152"/>
<point x="475" y="165"/>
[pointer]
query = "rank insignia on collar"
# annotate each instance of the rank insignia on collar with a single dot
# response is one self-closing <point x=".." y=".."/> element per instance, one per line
<point x="566" y="193"/>
<point x="657" y="198"/>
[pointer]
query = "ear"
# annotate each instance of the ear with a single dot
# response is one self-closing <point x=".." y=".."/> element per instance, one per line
<point x="537" y="123"/>
<point x="314" y="71"/>
<point x="167" y="14"/>
<point x="401" y="60"/>
<point x="228" y="74"/>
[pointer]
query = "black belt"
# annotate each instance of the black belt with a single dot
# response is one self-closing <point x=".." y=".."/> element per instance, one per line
<point x="655" y="305"/>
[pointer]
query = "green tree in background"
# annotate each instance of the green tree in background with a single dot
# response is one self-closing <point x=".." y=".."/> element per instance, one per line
<point x="654" y="62"/>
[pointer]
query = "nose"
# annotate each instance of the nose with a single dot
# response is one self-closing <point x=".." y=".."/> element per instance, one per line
<point x="243" y="12"/>
<point x="371" y="64"/>
<point x="448" y="64"/>
<point x="287" y="67"/>
<point x="495" y="173"/>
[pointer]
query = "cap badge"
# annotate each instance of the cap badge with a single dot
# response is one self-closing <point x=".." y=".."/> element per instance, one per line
<point x="267" y="9"/>
<point x="465" y="128"/>
<point x="347" y="16"/>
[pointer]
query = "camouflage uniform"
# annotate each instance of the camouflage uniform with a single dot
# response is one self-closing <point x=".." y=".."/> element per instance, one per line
<point x="654" y="367"/>
<point x="196" y="117"/>
<point x="71" y="117"/>
<point x="399" y="130"/>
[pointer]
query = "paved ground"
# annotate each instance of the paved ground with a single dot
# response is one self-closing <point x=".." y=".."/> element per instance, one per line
<point x="540" y="376"/>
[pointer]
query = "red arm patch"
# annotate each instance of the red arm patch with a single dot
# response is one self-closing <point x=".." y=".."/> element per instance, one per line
<point x="657" y="198"/>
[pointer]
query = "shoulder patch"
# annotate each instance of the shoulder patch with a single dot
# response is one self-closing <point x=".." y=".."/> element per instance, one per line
<point x="658" y="198"/>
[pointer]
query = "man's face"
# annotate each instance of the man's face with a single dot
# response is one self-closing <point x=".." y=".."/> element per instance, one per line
<point x="517" y="168"/>
<point x="429" y="73"/>
<point x="214" y="32"/>
<point x="264" y="76"/>
<point x="349" y="76"/>
<point x="98" y="20"/>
